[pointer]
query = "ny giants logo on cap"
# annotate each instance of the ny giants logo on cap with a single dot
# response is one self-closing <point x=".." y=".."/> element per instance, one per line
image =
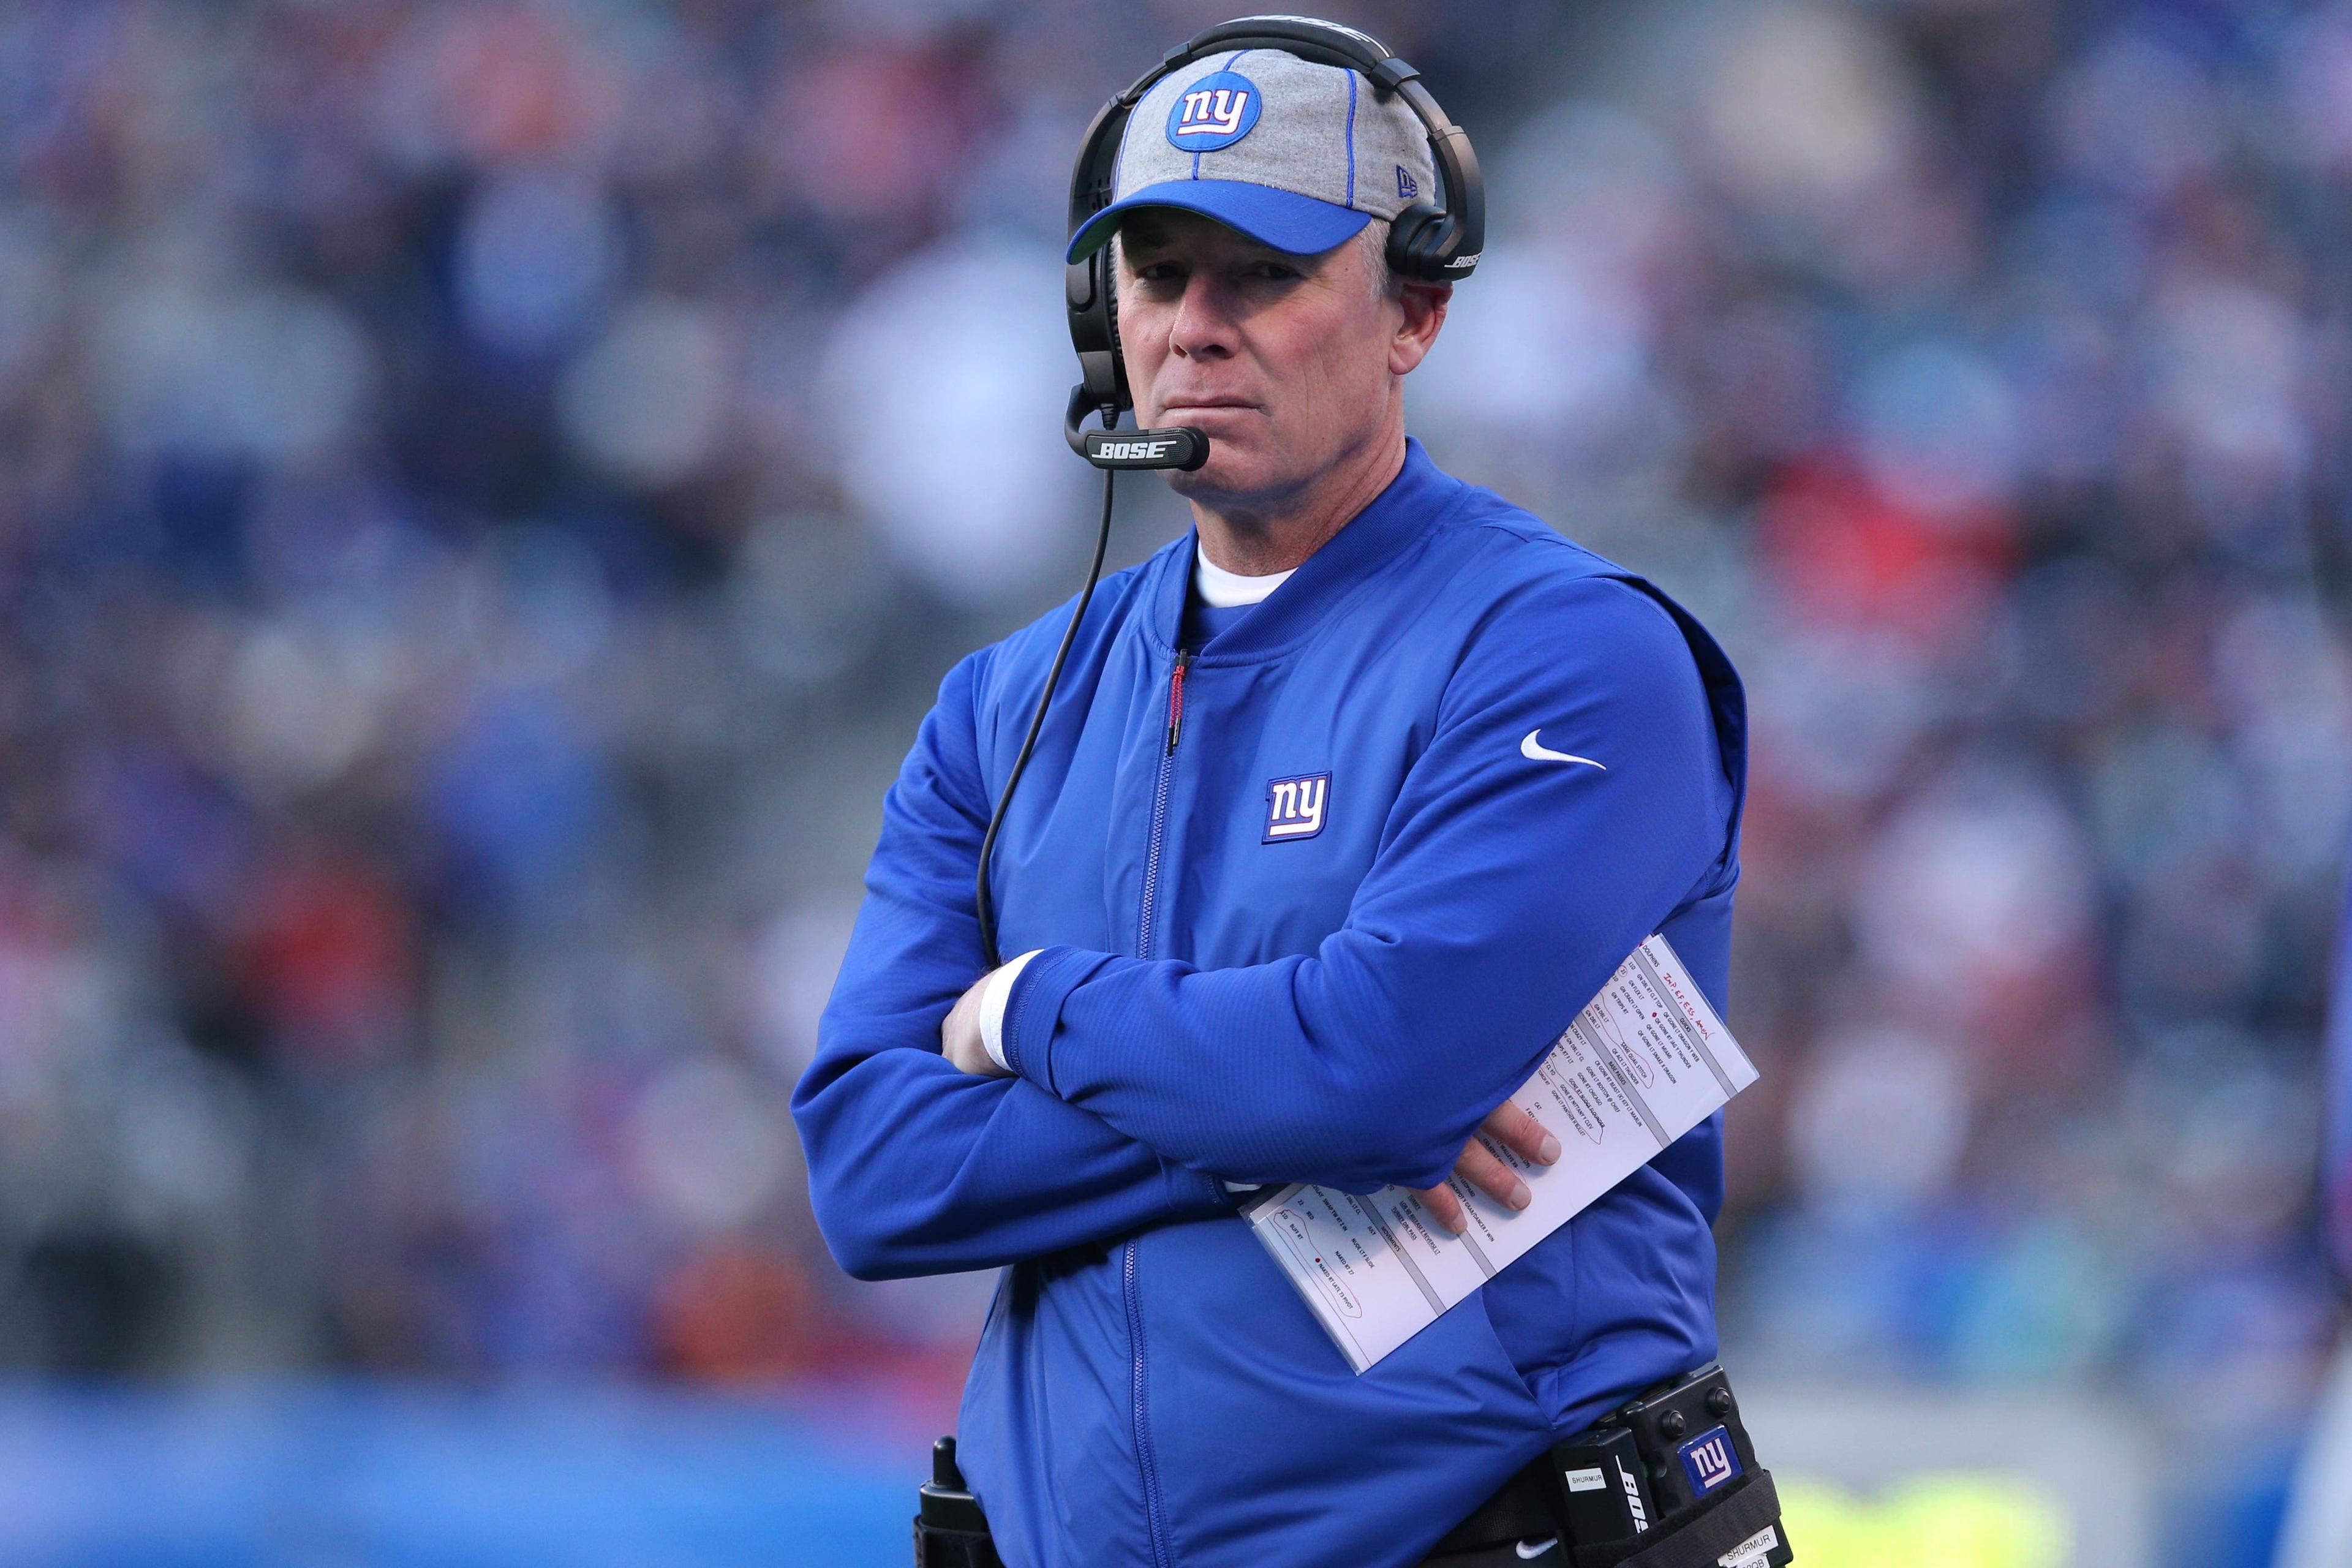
<point x="1215" y="112"/>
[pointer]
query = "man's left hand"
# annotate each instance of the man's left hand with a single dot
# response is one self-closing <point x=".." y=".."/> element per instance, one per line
<point x="959" y="1035"/>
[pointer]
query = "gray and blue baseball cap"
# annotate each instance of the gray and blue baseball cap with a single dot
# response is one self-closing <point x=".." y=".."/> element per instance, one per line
<point x="1296" y="155"/>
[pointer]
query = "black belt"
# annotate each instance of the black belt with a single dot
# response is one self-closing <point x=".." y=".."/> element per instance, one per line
<point x="1505" y="1528"/>
<point x="1546" y="1554"/>
<point x="1522" y="1510"/>
<point x="1667" y="1481"/>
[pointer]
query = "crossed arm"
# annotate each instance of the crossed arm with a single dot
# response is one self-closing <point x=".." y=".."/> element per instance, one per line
<point x="914" y="1166"/>
<point x="960" y="1042"/>
<point x="1508" y="889"/>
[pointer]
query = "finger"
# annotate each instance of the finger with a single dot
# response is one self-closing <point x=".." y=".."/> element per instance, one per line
<point x="1520" y="1134"/>
<point x="1444" y="1207"/>
<point x="1479" y="1167"/>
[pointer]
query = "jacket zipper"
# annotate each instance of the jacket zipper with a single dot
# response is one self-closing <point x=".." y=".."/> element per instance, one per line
<point x="1176" y="700"/>
<point x="1160" y="804"/>
<point x="1145" y="1458"/>
<point x="1146" y="1461"/>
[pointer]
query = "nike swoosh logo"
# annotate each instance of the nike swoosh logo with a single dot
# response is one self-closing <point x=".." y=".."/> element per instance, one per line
<point x="1533" y="752"/>
<point x="1530" y="1551"/>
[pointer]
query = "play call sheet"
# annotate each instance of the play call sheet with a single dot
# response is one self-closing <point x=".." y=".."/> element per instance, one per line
<point x="1646" y="1061"/>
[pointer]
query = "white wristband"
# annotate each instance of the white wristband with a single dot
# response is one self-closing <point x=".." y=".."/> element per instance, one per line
<point x="992" y="997"/>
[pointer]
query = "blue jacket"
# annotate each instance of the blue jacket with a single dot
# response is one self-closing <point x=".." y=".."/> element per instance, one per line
<point x="1342" y="1005"/>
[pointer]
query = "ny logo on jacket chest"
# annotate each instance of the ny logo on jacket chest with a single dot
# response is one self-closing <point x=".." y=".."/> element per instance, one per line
<point x="1294" y="807"/>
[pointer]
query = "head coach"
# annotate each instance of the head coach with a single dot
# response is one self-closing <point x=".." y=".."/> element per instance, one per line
<point x="1350" y="800"/>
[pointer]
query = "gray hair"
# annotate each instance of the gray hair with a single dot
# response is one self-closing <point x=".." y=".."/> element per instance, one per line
<point x="1373" y="238"/>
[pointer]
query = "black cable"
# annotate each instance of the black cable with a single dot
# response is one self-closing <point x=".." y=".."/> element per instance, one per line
<point x="1037" y="723"/>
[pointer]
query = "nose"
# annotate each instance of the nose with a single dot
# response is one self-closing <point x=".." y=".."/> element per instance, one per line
<point x="1204" y="326"/>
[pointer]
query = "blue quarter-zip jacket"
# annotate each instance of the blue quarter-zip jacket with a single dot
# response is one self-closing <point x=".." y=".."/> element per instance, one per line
<point x="1214" y="1002"/>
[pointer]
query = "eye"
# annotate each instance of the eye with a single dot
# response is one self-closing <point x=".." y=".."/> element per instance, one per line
<point x="1278" y="271"/>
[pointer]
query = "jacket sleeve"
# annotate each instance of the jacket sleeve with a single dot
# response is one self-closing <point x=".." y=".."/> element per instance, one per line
<point x="1507" y="889"/>
<point x="914" y="1166"/>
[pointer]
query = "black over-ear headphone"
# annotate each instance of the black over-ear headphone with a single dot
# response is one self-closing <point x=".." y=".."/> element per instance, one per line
<point x="1430" y="241"/>
<point x="1438" y="242"/>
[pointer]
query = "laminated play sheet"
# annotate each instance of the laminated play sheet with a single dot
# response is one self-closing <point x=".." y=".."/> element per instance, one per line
<point x="1646" y="1061"/>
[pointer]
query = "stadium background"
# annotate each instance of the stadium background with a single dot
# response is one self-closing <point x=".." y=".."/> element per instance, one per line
<point x="487" y="490"/>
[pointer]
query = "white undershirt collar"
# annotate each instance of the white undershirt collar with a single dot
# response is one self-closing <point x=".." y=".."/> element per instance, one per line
<point x="1222" y="590"/>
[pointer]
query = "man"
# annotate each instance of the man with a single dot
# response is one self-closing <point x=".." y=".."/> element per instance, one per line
<point x="1350" y="800"/>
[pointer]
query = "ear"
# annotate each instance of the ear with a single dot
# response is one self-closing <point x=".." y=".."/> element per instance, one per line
<point x="1424" y="313"/>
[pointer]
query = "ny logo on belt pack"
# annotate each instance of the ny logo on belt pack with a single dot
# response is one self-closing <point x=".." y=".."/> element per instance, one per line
<point x="1294" y="806"/>
<point x="1708" y="1460"/>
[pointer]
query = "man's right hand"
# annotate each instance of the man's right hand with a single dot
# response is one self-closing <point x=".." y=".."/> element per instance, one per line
<point x="1515" y="1130"/>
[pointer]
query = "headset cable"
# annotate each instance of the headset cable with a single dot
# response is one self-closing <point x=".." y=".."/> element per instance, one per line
<point x="990" y="956"/>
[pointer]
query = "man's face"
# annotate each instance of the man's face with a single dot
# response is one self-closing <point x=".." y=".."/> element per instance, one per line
<point x="1289" y="362"/>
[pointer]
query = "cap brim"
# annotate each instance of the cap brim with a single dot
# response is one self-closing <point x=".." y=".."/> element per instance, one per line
<point x="1284" y="220"/>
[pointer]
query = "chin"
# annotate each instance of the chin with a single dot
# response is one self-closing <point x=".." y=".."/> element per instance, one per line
<point x="1214" y="478"/>
<point x="1233" y="469"/>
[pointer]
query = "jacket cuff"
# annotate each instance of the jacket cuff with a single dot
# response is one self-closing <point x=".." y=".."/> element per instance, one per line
<point x="1034" y="1008"/>
<point x="992" y="997"/>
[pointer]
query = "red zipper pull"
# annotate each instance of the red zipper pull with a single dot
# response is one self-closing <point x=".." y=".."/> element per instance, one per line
<point x="1176" y="698"/>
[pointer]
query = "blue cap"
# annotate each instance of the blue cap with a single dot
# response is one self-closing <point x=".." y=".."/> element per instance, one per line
<point x="1282" y="219"/>
<point x="1298" y="156"/>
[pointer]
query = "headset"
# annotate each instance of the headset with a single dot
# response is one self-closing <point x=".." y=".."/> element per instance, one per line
<point x="1432" y="241"/>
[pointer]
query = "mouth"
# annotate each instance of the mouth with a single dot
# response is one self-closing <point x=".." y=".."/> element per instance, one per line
<point x="1205" y="404"/>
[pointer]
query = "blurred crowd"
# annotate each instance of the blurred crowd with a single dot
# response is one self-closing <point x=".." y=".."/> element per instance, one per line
<point x="486" y="491"/>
